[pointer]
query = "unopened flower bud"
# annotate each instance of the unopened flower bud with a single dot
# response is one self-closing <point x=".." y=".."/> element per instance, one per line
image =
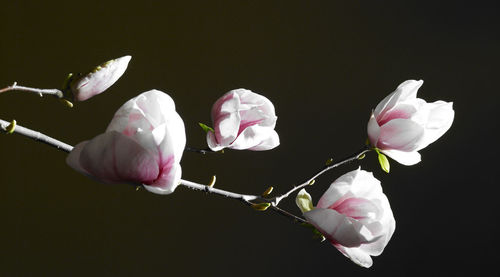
<point x="99" y="79"/>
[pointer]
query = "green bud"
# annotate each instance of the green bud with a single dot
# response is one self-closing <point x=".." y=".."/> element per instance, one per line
<point x="261" y="206"/>
<point x="212" y="181"/>
<point x="384" y="162"/>
<point x="318" y="235"/>
<point x="11" y="127"/>
<point x="304" y="201"/>
<point x="329" y="161"/>
<point x="66" y="102"/>
<point x="206" y="128"/>
<point x="267" y="191"/>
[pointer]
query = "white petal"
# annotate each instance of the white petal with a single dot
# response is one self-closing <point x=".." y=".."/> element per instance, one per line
<point x="406" y="91"/>
<point x="441" y="116"/>
<point x="271" y="142"/>
<point x="357" y="255"/>
<point x="365" y="185"/>
<point x="252" y="137"/>
<point x="73" y="159"/>
<point x="145" y="111"/>
<point x="148" y="119"/>
<point x="226" y="128"/>
<point x="377" y="247"/>
<point x="404" y="158"/>
<point x="212" y="142"/>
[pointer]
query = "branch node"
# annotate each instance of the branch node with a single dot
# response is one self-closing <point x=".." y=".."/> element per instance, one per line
<point x="267" y="191"/>
<point x="212" y="182"/>
<point x="11" y="127"/>
<point x="261" y="206"/>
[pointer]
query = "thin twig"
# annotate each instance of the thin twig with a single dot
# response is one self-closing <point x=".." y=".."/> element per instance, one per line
<point x="37" y="136"/>
<point x="295" y="218"/>
<point x="276" y="200"/>
<point x="201" y="151"/>
<point x="54" y="92"/>
<point x="245" y="198"/>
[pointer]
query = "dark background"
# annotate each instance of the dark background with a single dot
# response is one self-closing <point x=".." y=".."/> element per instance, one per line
<point x="324" y="65"/>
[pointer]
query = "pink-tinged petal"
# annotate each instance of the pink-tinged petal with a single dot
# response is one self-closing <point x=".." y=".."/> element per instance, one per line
<point x="271" y="142"/>
<point x="356" y="183"/>
<point x="226" y="118"/>
<point x="406" y="91"/>
<point x="358" y="219"/>
<point x="404" y="158"/>
<point x="73" y="159"/>
<point x="99" y="79"/>
<point x="168" y="180"/>
<point x="373" y="130"/>
<point x="441" y="115"/>
<point x="357" y="255"/>
<point x="115" y="158"/>
<point x="337" y="192"/>
<point x="359" y="208"/>
<point x="228" y="103"/>
<point x="403" y="111"/>
<point x="243" y="119"/>
<point x="338" y="227"/>
<point x="400" y="134"/>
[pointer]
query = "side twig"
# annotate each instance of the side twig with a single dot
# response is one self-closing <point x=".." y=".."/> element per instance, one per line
<point x="200" y="151"/>
<point x="54" y="92"/>
<point x="276" y="200"/>
<point x="245" y="198"/>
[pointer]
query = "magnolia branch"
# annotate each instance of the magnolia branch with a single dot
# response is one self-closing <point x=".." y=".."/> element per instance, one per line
<point x="257" y="202"/>
<point x="250" y="200"/>
<point x="245" y="198"/>
<point x="54" y="92"/>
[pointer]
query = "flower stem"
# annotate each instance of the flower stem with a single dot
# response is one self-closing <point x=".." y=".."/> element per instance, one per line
<point x="55" y="92"/>
<point x="245" y="198"/>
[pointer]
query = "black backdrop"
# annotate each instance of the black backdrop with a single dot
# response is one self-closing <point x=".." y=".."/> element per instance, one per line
<point x="324" y="65"/>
